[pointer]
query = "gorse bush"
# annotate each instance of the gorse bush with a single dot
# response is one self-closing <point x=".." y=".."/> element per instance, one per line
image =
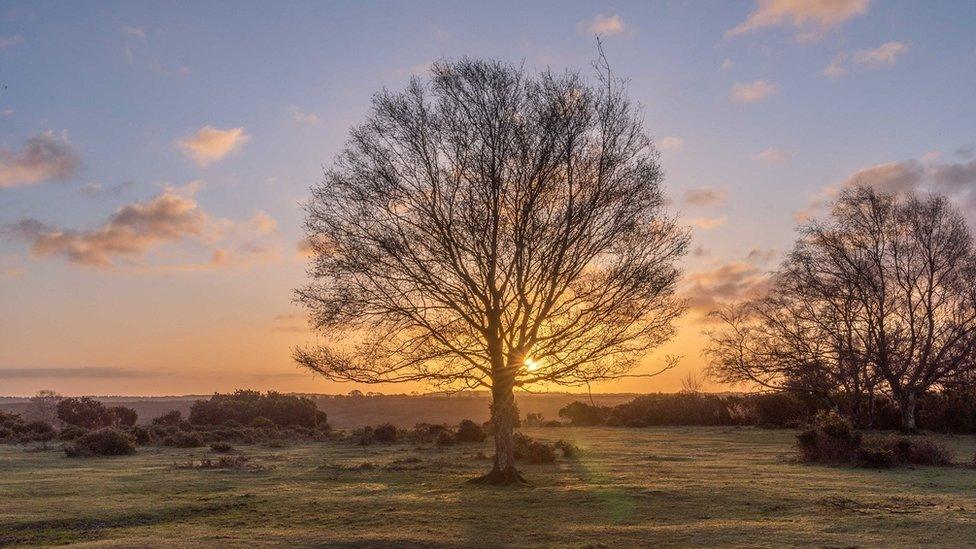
<point x="85" y="412"/>
<point x="469" y="431"/>
<point x="172" y="417"/>
<point x="832" y="439"/>
<point x="123" y="416"/>
<point x="108" y="441"/>
<point x="385" y="433"/>
<point x="246" y="406"/>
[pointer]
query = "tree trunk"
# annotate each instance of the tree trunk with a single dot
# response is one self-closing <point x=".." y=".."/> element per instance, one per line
<point x="503" y="419"/>
<point x="908" y="413"/>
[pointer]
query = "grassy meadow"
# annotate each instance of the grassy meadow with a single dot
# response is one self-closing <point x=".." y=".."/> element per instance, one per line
<point x="656" y="486"/>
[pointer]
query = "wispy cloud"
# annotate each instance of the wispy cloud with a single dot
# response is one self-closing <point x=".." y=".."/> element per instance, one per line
<point x="604" y="25"/>
<point x="885" y="55"/>
<point x="210" y="144"/>
<point x="44" y="157"/>
<point x="7" y="41"/>
<point x="703" y="196"/>
<point x="74" y="373"/>
<point x="303" y="117"/>
<point x="707" y="223"/>
<point x="671" y="144"/>
<point x="135" y="32"/>
<point x="773" y="155"/>
<point x="752" y="92"/>
<point x="709" y="289"/>
<point x="98" y="190"/>
<point x="810" y="19"/>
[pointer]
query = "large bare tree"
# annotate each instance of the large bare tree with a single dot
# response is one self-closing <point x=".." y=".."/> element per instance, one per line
<point x="487" y="228"/>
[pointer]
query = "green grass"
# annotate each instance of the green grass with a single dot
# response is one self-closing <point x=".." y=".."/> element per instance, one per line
<point x="663" y="486"/>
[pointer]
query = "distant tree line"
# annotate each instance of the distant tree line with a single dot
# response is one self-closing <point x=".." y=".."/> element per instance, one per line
<point x="946" y="411"/>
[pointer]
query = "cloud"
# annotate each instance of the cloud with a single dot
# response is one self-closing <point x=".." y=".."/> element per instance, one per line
<point x="128" y="234"/>
<point x="884" y="55"/>
<point x="707" y="223"/>
<point x="751" y="92"/>
<point x="291" y="322"/>
<point x="97" y="190"/>
<point x="811" y="19"/>
<point x="966" y="152"/>
<point x="837" y="66"/>
<point x="703" y="196"/>
<point x="955" y="177"/>
<point x="891" y="177"/>
<point x="135" y="32"/>
<point x="7" y="41"/>
<point x="11" y="266"/>
<point x="44" y="157"/>
<point x="210" y="144"/>
<point x="672" y="144"/>
<point x="604" y="25"/>
<point x="760" y="256"/>
<point x="73" y="373"/>
<point x="772" y="155"/>
<point x="303" y="117"/>
<point x="7" y="113"/>
<point x="727" y="65"/>
<point x="707" y="290"/>
<point x="956" y="180"/>
<point x="137" y="229"/>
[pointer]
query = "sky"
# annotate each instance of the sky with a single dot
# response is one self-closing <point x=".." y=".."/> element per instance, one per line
<point x="154" y="156"/>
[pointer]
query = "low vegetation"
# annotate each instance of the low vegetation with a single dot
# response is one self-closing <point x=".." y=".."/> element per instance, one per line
<point x="832" y="439"/>
<point x="658" y="486"/>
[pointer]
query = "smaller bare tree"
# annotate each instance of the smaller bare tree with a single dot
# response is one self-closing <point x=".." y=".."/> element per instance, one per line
<point x="43" y="406"/>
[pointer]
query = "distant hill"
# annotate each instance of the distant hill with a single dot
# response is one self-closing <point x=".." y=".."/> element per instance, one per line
<point x="348" y="412"/>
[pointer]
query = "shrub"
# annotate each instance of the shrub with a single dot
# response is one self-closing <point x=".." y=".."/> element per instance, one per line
<point x="221" y="447"/>
<point x="84" y="412"/>
<point x="540" y="452"/>
<point x="552" y="423"/>
<point x="71" y="432"/>
<point x="187" y="440"/>
<point x="831" y="440"/>
<point x="385" y="433"/>
<point x="6" y="433"/>
<point x="469" y="431"/>
<point x="567" y="448"/>
<point x="445" y="437"/>
<point x="245" y="406"/>
<point x="123" y="416"/>
<point x="521" y="443"/>
<point x="580" y="413"/>
<point x="108" y="441"/>
<point x="173" y="417"/>
<point x="875" y="457"/>
<point x="262" y="422"/>
<point x="142" y="436"/>
<point x="921" y="451"/>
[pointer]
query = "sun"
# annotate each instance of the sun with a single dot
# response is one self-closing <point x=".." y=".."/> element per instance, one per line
<point x="531" y="365"/>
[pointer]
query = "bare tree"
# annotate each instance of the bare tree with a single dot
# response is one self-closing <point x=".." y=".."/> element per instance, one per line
<point x="883" y="290"/>
<point x="43" y="406"/>
<point x="492" y="229"/>
<point x="692" y="383"/>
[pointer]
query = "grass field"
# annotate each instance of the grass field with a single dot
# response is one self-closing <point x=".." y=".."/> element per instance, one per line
<point x="659" y="486"/>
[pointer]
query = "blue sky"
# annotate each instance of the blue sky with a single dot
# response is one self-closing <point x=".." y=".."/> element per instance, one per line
<point x="227" y="112"/>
